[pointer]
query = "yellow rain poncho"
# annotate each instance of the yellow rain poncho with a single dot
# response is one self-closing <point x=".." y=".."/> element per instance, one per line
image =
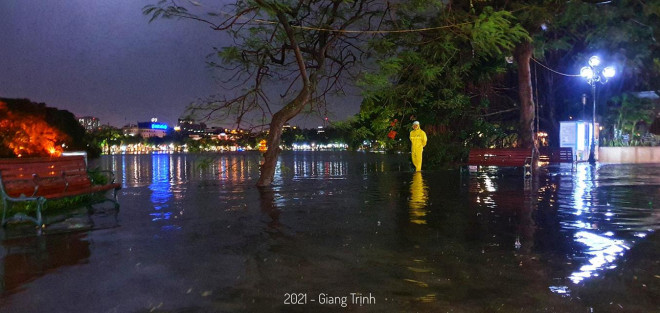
<point x="418" y="141"/>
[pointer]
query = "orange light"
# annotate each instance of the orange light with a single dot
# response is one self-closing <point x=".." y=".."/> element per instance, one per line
<point x="33" y="135"/>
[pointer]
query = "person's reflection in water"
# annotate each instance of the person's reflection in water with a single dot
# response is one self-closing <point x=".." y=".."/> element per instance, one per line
<point x="418" y="199"/>
<point x="268" y="206"/>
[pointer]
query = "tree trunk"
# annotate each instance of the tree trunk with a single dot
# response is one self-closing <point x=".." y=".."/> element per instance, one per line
<point x="275" y="135"/>
<point x="550" y="109"/>
<point x="523" y="55"/>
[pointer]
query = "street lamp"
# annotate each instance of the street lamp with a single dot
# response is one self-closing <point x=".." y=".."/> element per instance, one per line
<point x="594" y="74"/>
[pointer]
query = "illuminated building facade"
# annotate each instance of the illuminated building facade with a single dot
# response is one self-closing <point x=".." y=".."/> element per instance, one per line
<point x="187" y="126"/>
<point x="152" y="129"/>
<point x="90" y="123"/>
<point x="130" y="130"/>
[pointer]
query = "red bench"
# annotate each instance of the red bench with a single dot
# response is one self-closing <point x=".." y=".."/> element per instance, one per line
<point x="507" y="157"/>
<point x="500" y="157"/>
<point x="556" y="155"/>
<point x="42" y="179"/>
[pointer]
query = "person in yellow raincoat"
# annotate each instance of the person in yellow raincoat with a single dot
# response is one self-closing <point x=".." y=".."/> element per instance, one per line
<point x="418" y="141"/>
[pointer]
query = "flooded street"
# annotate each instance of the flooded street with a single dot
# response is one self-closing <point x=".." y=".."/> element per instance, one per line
<point x="344" y="231"/>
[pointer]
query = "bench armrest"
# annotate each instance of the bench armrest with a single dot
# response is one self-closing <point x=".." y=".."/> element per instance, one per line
<point x="109" y="174"/>
<point x="31" y="181"/>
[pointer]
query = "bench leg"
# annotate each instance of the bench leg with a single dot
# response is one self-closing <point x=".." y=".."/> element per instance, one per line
<point x="90" y="211"/>
<point x="40" y="206"/>
<point x="5" y="208"/>
<point x="114" y="197"/>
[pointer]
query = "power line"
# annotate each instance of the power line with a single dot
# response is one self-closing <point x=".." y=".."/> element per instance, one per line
<point x="549" y="69"/>
<point x="348" y="31"/>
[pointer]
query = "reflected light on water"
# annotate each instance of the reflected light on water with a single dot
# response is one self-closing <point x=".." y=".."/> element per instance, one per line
<point x="580" y="189"/>
<point x="418" y="199"/>
<point x="600" y="246"/>
<point x="310" y="165"/>
<point x="160" y="187"/>
<point x="603" y="251"/>
<point x="488" y="184"/>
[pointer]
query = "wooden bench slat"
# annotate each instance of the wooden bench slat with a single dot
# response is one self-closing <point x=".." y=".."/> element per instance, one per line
<point x="556" y="155"/>
<point x="77" y="192"/>
<point x="499" y="157"/>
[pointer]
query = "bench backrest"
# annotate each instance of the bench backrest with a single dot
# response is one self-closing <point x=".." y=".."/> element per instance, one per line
<point x="53" y="175"/>
<point x="499" y="157"/>
<point x="556" y="155"/>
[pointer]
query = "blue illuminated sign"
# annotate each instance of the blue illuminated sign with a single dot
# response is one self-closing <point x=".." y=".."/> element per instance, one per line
<point x="158" y="126"/>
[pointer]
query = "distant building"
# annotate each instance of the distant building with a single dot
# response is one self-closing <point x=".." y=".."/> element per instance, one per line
<point x="187" y="126"/>
<point x="152" y="129"/>
<point x="130" y="130"/>
<point x="90" y="123"/>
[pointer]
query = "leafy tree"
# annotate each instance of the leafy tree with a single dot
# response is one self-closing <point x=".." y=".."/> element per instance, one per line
<point x="626" y="117"/>
<point x="303" y="48"/>
<point x="623" y="32"/>
<point x="106" y="137"/>
<point x="442" y="77"/>
<point x="39" y="127"/>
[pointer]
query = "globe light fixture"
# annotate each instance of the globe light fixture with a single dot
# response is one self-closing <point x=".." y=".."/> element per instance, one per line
<point x="609" y="72"/>
<point x="586" y="72"/>
<point x="594" y="74"/>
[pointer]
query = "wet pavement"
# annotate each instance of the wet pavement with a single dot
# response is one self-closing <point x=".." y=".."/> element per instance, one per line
<point x="343" y="231"/>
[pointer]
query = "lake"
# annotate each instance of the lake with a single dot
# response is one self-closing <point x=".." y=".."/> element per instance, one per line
<point x="347" y="231"/>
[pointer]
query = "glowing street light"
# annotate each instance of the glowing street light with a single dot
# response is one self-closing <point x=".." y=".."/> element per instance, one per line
<point x="594" y="74"/>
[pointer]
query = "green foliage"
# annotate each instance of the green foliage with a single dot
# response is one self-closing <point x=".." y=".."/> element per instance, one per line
<point x="626" y="31"/>
<point x="97" y="177"/>
<point x="495" y="33"/>
<point x="229" y="54"/>
<point x="437" y="77"/>
<point x="626" y="117"/>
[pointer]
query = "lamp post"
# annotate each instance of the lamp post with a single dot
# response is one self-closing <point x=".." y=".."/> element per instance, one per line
<point x="594" y="74"/>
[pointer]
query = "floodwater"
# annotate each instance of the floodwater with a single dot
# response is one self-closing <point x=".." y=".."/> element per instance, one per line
<point x="343" y="231"/>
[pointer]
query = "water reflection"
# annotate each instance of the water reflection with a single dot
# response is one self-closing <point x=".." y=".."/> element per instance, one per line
<point x="588" y="220"/>
<point x="269" y="206"/>
<point x="317" y="165"/>
<point x="602" y="252"/>
<point x="343" y="222"/>
<point x="26" y="259"/>
<point x="418" y="199"/>
<point x="593" y="226"/>
<point x="160" y="187"/>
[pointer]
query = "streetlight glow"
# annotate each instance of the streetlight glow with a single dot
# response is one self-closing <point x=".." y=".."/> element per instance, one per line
<point x="609" y="72"/>
<point x="594" y="61"/>
<point x="586" y="72"/>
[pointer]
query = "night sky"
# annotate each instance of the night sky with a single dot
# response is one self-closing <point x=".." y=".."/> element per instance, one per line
<point x="104" y="58"/>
